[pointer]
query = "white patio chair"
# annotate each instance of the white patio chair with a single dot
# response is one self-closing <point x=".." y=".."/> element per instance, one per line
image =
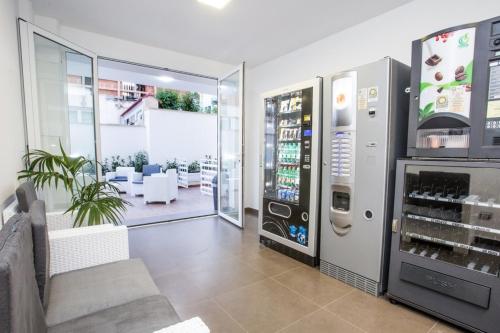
<point x="120" y="178"/>
<point x="156" y="188"/>
<point x="173" y="184"/>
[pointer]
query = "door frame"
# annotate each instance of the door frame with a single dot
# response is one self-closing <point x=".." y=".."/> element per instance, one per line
<point x="29" y="85"/>
<point x="241" y="142"/>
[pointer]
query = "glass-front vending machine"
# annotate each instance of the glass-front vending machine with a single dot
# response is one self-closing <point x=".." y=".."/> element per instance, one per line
<point x="290" y="162"/>
<point x="445" y="254"/>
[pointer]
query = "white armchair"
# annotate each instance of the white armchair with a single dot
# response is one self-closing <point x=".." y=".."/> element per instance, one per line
<point x="156" y="188"/>
<point x="173" y="186"/>
<point x="120" y="177"/>
<point x="70" y="247"/>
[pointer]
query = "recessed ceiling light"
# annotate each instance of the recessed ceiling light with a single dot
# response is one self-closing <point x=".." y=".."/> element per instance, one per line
<point x="165" y="78"/>
<point x="219" y="4"/>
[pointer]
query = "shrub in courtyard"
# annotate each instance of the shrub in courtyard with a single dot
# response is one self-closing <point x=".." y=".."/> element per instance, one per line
<point x="140" y="159"/>
<point x="194" y="167"/>
<point x="190" y="101"/>
<point x="171" y="164"/>
<point x="168" y="99"/>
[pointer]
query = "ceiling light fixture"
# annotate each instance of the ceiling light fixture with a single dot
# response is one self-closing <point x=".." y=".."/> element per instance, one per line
<point x="165" y="78"/>
<point x="219" y="4"/>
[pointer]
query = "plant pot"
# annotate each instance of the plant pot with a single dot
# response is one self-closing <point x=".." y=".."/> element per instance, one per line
<point x="194" y="178"/>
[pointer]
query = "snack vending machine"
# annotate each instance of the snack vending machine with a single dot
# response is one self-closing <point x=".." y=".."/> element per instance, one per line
<point x="289" y="192"/>
<point x="445" y="256"/>
<point x="364" y="124"/>
<point x="445" y="252"/>
<point x="455" y="88"/>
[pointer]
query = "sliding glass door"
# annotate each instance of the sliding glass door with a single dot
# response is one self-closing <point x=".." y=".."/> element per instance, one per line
<point x="231" y="146"/>
<point x="60" y="104"/>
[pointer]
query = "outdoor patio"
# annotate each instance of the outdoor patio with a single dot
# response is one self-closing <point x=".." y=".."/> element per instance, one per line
<point x="191" y="202"/>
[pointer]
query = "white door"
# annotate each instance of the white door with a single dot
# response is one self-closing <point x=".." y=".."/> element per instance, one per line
<point x="230" y="138"/>
<point x="59" y="81"/>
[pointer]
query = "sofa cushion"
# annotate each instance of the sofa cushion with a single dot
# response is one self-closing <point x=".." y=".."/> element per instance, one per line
<point x="41" y="249"/>
<point x="82" y="292"/>
<point x="20" y="306"/>
<point x="143" y="315"/>
<point x="148" y="170"/>
<point x="119" y="179"/>
<point x="25" y="194"/>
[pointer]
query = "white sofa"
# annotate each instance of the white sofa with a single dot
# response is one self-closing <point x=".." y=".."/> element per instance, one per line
<point x="120" y="178"/>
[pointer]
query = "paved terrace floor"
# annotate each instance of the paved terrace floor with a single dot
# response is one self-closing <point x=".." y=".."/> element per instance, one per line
<point x="212" y="269"/>
<point x="190" y="203"/>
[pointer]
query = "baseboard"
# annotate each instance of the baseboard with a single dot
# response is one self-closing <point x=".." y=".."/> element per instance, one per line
<point x="252" y="211"/>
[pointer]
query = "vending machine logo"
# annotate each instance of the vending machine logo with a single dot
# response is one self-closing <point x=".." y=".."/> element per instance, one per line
<point x="463" y="41"/>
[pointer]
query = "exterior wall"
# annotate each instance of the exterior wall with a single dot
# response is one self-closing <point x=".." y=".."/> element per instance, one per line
<point x="389" y="34"/>
<point x="122" y="140"/>
<point x="166" y="135"/>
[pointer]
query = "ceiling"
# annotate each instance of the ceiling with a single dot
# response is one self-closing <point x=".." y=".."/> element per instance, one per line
<point x="254" y="31"/>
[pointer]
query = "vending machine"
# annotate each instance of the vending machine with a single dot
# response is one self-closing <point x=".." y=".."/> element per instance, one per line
<point x="445" y="256"/>
<point x="364" y="130"/>
<point x="445" y="252"/>
<point x="289" y="191"/>
<point x="455" y="87"/>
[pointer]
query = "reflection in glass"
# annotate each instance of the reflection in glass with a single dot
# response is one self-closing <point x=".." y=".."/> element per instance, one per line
<point x="452" y="214"/>
<point x="65" y="106"/>
<point x="230" y="146"/>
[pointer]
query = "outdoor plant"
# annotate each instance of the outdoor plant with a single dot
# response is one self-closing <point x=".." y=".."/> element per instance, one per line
<point x="194" y="167"/>
<point x="94" y="201"/>
<point x="116" y="161"/>
<point x="168" y="99"/>
<point x="190" y="101"/>
<point x="140" y="159"/>
<point x="171" y="164"/>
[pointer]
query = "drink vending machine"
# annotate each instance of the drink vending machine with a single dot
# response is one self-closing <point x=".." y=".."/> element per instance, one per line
<point x="289" y="191"/>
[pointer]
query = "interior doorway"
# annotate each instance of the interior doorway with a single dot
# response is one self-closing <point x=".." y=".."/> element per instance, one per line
<point x="158" y="140"/>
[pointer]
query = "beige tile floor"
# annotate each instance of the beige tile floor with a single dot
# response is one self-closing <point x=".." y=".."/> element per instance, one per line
<point x="211" y="269"/>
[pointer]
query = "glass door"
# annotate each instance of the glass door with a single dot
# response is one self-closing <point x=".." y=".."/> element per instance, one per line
<point x="230" y="133"/>
<point x="60" y="104"/>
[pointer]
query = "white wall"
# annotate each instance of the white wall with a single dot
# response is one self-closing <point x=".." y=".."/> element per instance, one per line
<point x="122" y="140"/>
<point x="389" y="34"/>
<point x="11" y="126"/>
<point x="165" y="136"/>
<point x="180" y="134"/>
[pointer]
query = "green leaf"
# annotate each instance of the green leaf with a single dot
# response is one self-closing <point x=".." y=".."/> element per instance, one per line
<point x="425" y="85"/>
<point x="426" y="111"/>
<point x="92" y="202"/>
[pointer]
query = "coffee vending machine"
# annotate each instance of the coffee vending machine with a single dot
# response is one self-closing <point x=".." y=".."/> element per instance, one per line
<point x="445" y="252"/>
<point x="364" y="130"/>
<point x="455" y="93"/>
<point x="290" y="170"/>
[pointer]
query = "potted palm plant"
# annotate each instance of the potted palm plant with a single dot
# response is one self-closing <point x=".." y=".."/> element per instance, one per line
<point x="92" y="201"/>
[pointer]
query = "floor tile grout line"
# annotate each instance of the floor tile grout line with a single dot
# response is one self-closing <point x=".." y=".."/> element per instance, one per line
<point x="295" y="292"/>
<point x="296" y="321"/>
<point x="432" y="327"/>
<point x="228" y="314"/>
<point x="337" y="299"/>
